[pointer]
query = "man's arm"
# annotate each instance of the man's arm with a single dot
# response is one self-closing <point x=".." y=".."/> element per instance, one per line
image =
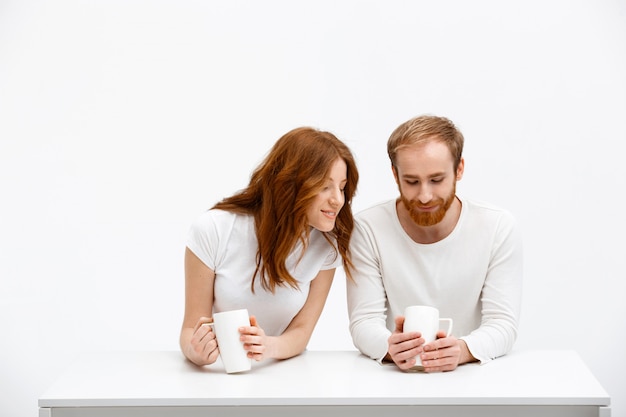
<point x="366" y="296"/>
<point x="501" y="295"/>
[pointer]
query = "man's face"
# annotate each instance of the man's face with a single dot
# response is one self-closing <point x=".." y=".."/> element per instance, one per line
<point x="427" y="181"/>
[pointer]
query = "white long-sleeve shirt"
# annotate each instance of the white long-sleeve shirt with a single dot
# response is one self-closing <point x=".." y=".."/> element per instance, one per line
<point x="473" y="276"/>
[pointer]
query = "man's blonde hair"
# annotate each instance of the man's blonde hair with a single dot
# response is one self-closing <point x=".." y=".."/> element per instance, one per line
<point x="425" y="128"/>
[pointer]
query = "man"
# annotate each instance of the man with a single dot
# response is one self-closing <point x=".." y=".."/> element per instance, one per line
<point x="432" y="247"/>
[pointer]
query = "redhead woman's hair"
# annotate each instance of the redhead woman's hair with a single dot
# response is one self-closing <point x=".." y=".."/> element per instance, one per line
<point x="280" y="191"/>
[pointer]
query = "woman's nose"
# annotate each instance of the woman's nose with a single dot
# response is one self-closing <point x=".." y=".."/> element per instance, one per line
<point x="337" y="198"/>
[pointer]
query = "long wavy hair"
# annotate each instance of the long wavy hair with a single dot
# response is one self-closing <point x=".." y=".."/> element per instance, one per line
<point x="280" y="191"/>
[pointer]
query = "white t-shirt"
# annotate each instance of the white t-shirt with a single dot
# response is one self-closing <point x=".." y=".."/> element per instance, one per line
<point x="226" y="243"/>
<point x="473" y="276"/>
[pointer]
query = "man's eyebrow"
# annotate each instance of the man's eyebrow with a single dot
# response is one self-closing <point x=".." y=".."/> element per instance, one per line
<point x="435" y="175"/>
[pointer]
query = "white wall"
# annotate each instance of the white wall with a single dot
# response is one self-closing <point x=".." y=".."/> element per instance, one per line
<point x="120" y="121"/>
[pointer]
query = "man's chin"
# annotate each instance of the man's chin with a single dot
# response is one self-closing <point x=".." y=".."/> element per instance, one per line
<point x="426" y="223"/>
<point x="432" y="219"/>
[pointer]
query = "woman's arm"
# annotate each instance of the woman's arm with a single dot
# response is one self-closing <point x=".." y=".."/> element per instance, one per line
<point x="197" y="342"/>
<point x="295" y="338"/>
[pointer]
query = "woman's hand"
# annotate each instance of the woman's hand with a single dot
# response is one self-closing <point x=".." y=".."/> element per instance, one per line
<point x="294" y="339"/>
<point x="202" y="348"/>
<point x="255" y="342"/>
<point x="197" y="342"/>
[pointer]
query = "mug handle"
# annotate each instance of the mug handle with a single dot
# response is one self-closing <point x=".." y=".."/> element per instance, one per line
<point x="449" y="321"/>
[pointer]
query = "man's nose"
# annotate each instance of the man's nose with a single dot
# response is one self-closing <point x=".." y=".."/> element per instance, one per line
<point x="425" y="194"/>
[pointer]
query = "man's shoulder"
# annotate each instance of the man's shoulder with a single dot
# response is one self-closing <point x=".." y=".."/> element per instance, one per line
<point x="378" y="218"/>
<point x="486" y="209"/>
<point x="382" y="208"/>
<point x="481" y="204"/>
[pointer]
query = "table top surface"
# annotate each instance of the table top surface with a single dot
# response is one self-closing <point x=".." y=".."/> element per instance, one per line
<point x="151" y="378"/>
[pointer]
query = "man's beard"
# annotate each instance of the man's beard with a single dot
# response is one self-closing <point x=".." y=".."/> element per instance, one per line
<point x="428" y="218"/>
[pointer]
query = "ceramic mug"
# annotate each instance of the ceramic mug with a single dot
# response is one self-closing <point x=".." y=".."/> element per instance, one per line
<point x="424" y="319"/>
<point x="226" y="326"/>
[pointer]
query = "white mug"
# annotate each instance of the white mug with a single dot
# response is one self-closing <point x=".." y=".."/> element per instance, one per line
<point x="424" y="319"/>
<point x="226" y="325"/>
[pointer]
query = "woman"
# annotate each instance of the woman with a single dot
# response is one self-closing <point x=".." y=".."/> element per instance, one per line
<point x="272" y="248"/>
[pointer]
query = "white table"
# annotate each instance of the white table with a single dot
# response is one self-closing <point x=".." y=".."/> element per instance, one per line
<point x="534" y="383"/>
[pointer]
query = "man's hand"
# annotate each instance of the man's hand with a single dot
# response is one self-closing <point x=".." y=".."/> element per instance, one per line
<point x="442" y="354"/>
<point x="404" y="347"/>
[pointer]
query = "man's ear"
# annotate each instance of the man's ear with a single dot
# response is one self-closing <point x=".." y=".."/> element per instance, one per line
<point x="395" y="174"/>
<point x="460" y="169"/>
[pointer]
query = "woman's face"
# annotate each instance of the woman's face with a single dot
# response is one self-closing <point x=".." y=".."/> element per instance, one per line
<point x="326" y="206"/>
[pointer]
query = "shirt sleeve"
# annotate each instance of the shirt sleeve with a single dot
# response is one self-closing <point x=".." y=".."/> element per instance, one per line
<point x="203" y="239"/>
<point x="333" y="259"/>
<point x="367" y="305"/>
<point x="501" y="296"/>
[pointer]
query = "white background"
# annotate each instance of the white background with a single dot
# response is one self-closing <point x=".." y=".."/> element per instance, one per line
<point x="120" y="121"/>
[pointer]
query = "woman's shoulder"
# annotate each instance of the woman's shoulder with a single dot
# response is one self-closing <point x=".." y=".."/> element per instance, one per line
<point x="220" y="216"/>
<point x="221" y="219"/>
